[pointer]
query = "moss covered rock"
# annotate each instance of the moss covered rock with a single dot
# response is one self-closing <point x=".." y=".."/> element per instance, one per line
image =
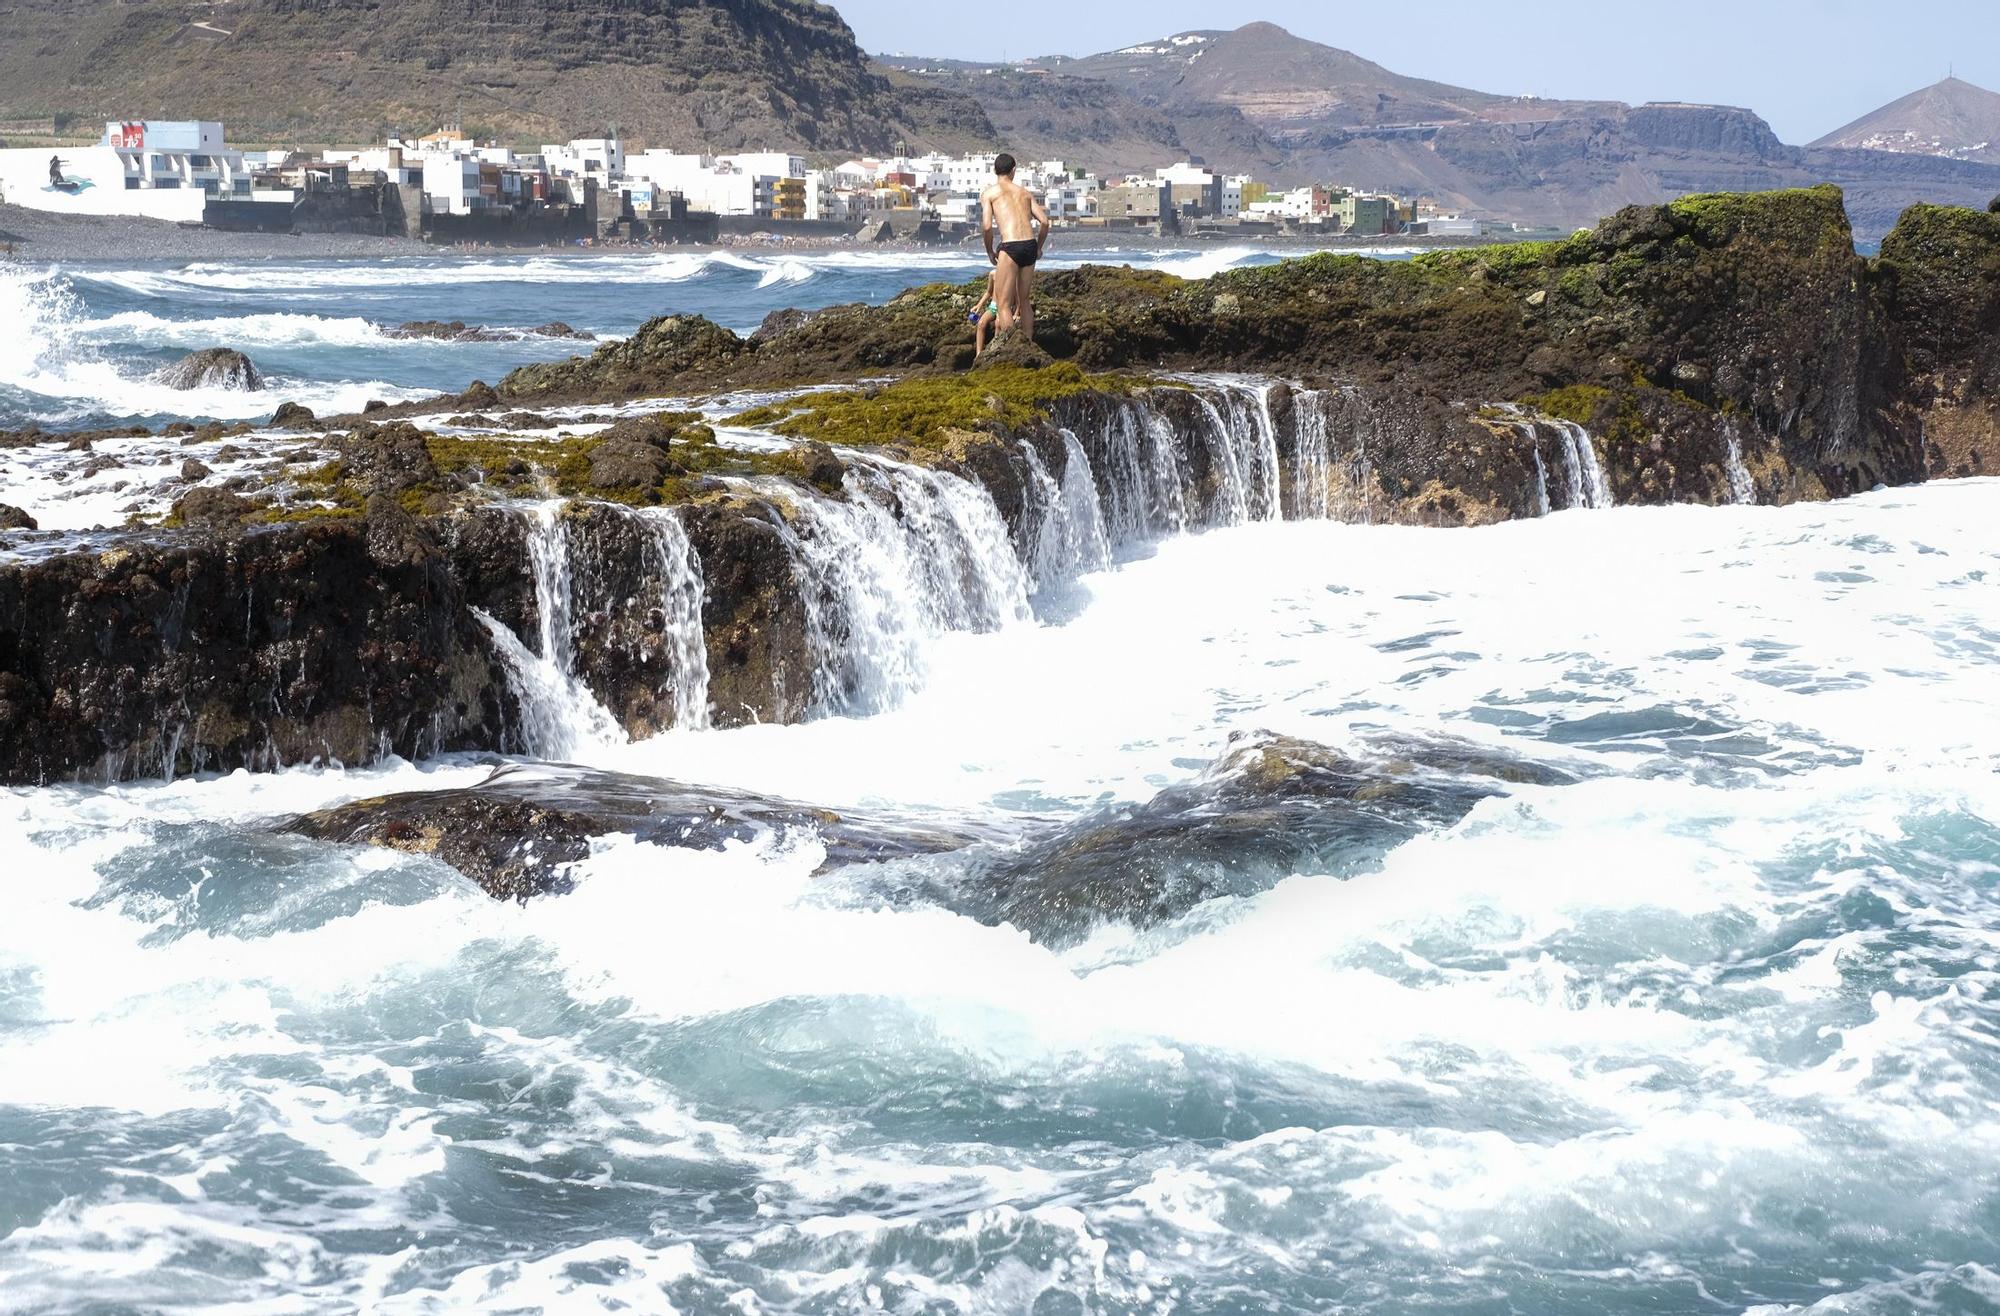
<point x="663" y="349"/>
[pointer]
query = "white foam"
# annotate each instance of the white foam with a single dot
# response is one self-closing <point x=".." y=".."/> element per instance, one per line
<point x="59" y="366"/>
<point x="1617" y="1030"/>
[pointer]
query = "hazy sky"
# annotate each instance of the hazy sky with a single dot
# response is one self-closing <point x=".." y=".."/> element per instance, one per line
<point x="1808" y="66"/>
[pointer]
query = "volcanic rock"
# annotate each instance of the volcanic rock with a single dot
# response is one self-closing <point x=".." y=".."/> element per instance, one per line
<point x="212" y="509"/>
<point x="663" y="348"/>
<point x="1267" y="806"/>
<point x="387" y="458"/>
<point x="517" y="833"/>
<point x="214" y="367"/>
<point x="1013" y="348"/>
<point x="627" y="464"/>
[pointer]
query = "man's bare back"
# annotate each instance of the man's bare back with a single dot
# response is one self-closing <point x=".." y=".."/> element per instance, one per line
<point x="1011" y="209"/>
<point x="1021" y="222"/>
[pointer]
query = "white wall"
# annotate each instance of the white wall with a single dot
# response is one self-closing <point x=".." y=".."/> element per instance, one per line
<point x="705" y="182"/>
<point x="450" y="182"/>
<point x="24" y="181"/>
<point x="770" y="164"/>
<point x="1452" y="225"/>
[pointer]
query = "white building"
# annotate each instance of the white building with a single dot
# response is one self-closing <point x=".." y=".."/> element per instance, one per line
<point x="708" y="182"/>
<point x="451" y="182"/>
<point x="1186" y="173"/>
<point x="1070" y="201"/>
<point x="1232" y="194"/>
<point x="957" y="209"/>
<point x="823" y="199"/>
<point x="1295" y="204"/>
<point x="766" y="164"/>
<point x="859" y="172"/>
<point x="387" y="161"/>
<point x="165" y="169"/>
<point x="1457" y="226"/>
<point x="602" y="158"/>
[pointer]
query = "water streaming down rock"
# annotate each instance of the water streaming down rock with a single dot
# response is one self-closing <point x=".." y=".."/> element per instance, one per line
<point x="1531" y="434"/>
<point x="1065" y="529"/>
<point x="560" y="718"/>
<point x="1143" y="488"/>
<point x="1587" y="485"/>
<point x="1084" y="518"/>
<point x="908" y="555"/>
<point x="1259" y="436"/>
<point x="591" y="583"/>
<point x="1215" y="453"/>
<point x="1742" y="488"/>
<point x="1045" y="516"/>
<point x="1312" y="458"/>
<point x="550" y="567"/>
<point x="1356" y="474"/>
<point x="678" y="569"/>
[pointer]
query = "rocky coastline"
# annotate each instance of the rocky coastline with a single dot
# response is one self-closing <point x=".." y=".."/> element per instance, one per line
<point x="367" y="585"/>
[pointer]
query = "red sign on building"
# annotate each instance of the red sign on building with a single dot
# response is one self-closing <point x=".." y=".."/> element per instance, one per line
<point x="132" y="136"/>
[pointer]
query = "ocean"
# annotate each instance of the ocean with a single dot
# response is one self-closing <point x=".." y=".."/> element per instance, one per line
<point x="91" y="335"/>
<point x="1691" y="1004"/>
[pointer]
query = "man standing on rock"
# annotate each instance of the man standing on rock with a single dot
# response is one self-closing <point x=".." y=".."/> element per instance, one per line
<point x="1023" y="225"/>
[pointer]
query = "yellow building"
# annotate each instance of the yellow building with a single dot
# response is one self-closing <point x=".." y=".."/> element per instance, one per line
<point x="788" y="198"/>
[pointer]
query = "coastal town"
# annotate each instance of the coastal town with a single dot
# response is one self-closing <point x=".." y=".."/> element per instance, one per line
<point x="448" y="187"/>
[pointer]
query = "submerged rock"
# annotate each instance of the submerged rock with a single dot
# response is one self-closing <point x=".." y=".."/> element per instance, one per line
<point x="1265" y="808"/>
<point x="517" y="832"/>
<point x="214" y="367"/>
<point x="458" y="331"/>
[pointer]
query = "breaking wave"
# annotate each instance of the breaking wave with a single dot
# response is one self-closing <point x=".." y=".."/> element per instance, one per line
<point x="771" y="269"/>
<point x="60" y="371"/>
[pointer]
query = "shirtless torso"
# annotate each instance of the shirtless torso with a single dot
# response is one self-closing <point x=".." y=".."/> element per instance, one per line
<point x="1016" y="228"/>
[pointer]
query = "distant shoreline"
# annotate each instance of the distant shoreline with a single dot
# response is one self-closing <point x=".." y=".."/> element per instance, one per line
<point x="40" y="235"/>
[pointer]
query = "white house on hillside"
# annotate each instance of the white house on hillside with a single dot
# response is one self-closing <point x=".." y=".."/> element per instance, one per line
<point x="165" y="169"/>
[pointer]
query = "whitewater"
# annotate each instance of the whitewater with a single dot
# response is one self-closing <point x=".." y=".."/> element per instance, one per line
<point x="89" y="336"/>
<point x="1712" y="1027"/>
<point x="1693" y="1006"/>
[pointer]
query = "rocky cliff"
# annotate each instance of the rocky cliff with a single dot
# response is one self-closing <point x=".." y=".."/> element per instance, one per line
<point x="682" y="73"/>
<point x="1749" y="309"/>
<point x="1292" y="110"/>
<point x="386" y="588"/>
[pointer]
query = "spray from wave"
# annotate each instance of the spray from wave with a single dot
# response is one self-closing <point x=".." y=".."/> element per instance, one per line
<point x="62" y="373"/>
<point x="773" y="269"/>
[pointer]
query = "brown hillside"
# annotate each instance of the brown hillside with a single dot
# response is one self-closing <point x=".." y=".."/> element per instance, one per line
<point x="719" y="73"/>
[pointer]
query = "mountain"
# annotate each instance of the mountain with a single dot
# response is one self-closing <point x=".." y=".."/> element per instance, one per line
<point x="1040" y="116"/>
<point x="1951" y="118"/>
<point x="1259" y="99"/>
<point x="686" y="73"/>
<point x="1278" y="80"/>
